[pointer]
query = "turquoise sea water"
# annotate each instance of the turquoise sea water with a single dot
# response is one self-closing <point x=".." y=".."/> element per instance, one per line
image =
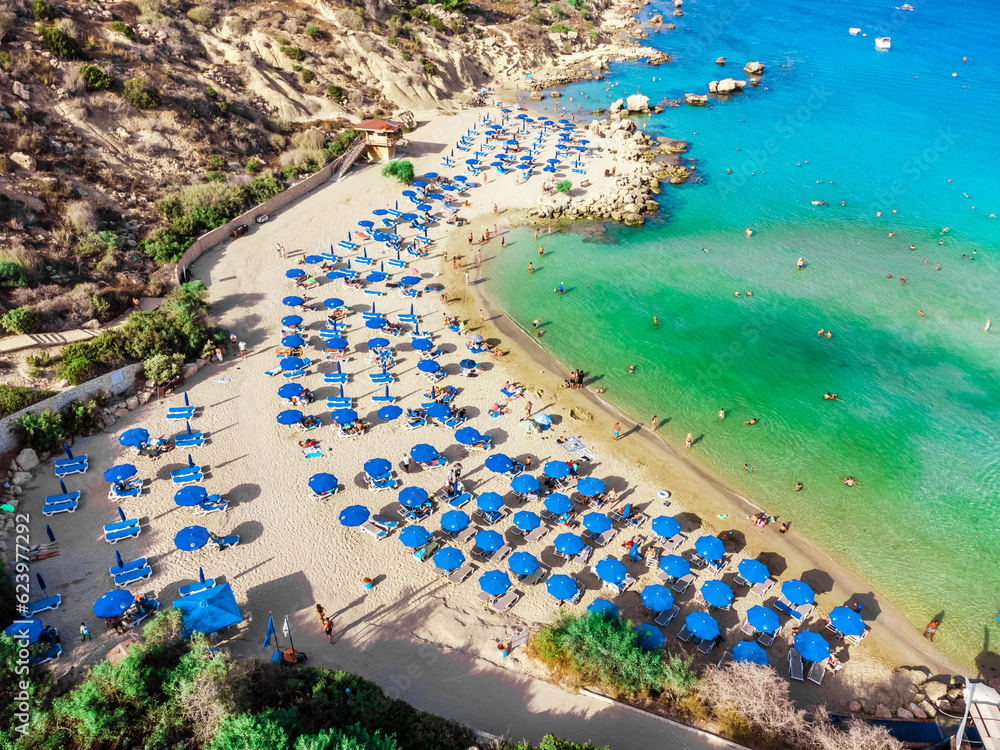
<point x="919" y="421"/>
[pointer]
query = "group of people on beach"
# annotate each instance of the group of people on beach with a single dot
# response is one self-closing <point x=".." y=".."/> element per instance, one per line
<point x="575" y="380"/>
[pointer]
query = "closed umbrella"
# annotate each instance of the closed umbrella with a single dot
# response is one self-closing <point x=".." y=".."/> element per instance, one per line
<point x="556" y="469"/>
<point x="423" y="453"/>
<point x="412" y="497"/>
<point x="489" y="502"/>
<point x="292" y="301"/>
<point x="322" y="483"/>
<point x="750" y="651"/>
<point x="414" y="536"/>
<point x="590" y="486"/>
<point x="562" y="587"/>
<point x="847" y="621"/>
<point x="702" y="626"/>
<point x="191" y="538"/>
<point x="605" y="608"/>
<point x="524" y="483"/>
<point x="657" y="598"/>
<point x="449" y="558"/>
<point x="811" y="646"/>
<point x="289" y="416"/>
<point x="376" y="467"/>
<point x="610" y="570"/>
<point x="488" y="540"/>
<point x="344" y="416"/>
<point x="716" y="593"/>
<point x="120" y="473"/>
<point x="666" y="527"/>
<point x="596" y="523"/>
<point x="390" y="412"/>
<point x="523" y="563"/>
<point x="134" y="437"/>
<point x="525" y="520"/>
<point x="797" y="592"/>
<point x="569" y="544"/>
<point x="763" y="619"/>
<point x="650" y="638"/>
<point x="188" y="497"/>
<point x="558" y="503"/>
<point x="753" y="571"/>
<point x="354" y="515"/>
<point x="498" y="463"/>
<point x="291" y="390"/>
<point x="494" y="582"/>
<point x="454" y="521"/>
<point x="710" y="547"/>
<point x="113" y="604"/>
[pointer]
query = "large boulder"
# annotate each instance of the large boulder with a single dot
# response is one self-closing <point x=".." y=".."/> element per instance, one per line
<point x="616" y="107"/>
<point x="916" y="711"/>
<point x="882" y="712"/>
<point x="730" y="86"/>
<point x="27" y="459"/>
<point x="21" y="91"/>
<point x="713" y="87"/>
<point x="20" y="477"/>
<point x="720" y="61"/>
<point x="406" y="117"/>
<point x="696" y="100"/>
<point x="190" y="369"/>
<point x="933" y="691"/>
<point x="25" y="162"/>
<point x="637" y="103"/>
<point x="902" y="713"/>
<point x="753" y="68"/>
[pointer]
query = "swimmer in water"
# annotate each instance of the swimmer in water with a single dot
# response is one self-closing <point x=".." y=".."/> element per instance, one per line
<point x="722" y="413"/>
<point x="800" y="264"/>
<point x="749" y="232"/>
<point x="920" y="313"/>
<point x="831" y="397"/>
<point x="849" y="481"/>
<point x="753" y="420"/>
<point x="821" y="331"/>
<point x="988" y="324"/>
<point x="631" y="369"/>
<point x="798" y="486"/>
<point x="829" y="334"/>
<point x="891" y="234"/>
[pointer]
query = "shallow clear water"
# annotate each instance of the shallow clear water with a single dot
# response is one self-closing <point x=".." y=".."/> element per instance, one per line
<point x="918" y="422"/>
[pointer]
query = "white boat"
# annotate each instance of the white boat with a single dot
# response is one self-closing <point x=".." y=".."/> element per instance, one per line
<point x="854" y="31"/>
<point x="883" y="42"/>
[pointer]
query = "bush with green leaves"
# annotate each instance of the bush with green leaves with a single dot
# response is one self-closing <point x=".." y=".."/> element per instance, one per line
<point x="80" y="418"/>
<point x="124" y="29"/>
<point x="401" y="169"/>
<point x="560" y="28"/>
<point x="313" y="30"/>
<point x="457" y="6"/>
<point x="340" y="143"/>
<point x="203" y="16"/>
<point x="211" y="92"/>
<point x="162" y="368"/>
<point x="564" y="186"/>
<point x="429" y="68"/>
<point x="43" y="10"/>
<point x="96" y="79"/>
<point x="58" y="42"/>
<point x="435" y="23"/>
<point x="335" y="92"/>
<point x="21" y="320"/>
<point x="41" y="432"/>
<point x="140" y="93"/>
<point x="308" y="76"/>
<point x="14" y="398"/>
<point x="294" y="53"/>
<point x="253" y="165"/>
<point x="12" y="274"/>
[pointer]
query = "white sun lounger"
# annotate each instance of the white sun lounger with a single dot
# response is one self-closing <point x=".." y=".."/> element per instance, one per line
<point x="816" y="672"/>
<point x="461" y="574"/>
<point x="666" y="616"/>
<point x="794" y="665"/>
<point x="506" y="602"/>
<point x="50" y="602"/>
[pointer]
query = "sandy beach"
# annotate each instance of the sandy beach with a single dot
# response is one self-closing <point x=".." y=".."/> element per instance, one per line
<point x="293" y="552"/>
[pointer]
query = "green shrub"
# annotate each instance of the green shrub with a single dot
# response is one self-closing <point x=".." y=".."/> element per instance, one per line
<point x="335" y="92"/>
<point x="80" y="418"/>
<point x="313" y="31"/>
<point x="595" y="36"/>
<point x="203" y="16"/>
<point x="96" y="244"/>
<point x="41" y="432"/>
<point x="12" y="274"/>
<point x="297" y="68"/>
<point x="141" y="94"/>
<point x="402" y="170"/>
<point x="14" y="398"/>
<point x="58" y="42"/>
<point x="564" y="186"/>
<point x="124" y="29"/>
<point x="292" y="171"/>
<point x="161" y="368"/>
<point x="79" y="362"/>
<point x="42" y="359"/>
<point x="217" y="162"/>
<point x="429" y="68"/>
<point x="307" y="75"/>
<point x="435" y="23"/>
<point x="21" y="320"/>
<point x="457" y="6"/>
<point x="294" y="53"/>
<point x="340" y="143"/>
<point x="96" y="78"/>
<point x="44" y="11"/>
<point x="253" y="165"/>
<point x="406" y="55"/>
<point x="212" y="93"/>
<point x="215" y="176"/>
<point x="560" y="28"/>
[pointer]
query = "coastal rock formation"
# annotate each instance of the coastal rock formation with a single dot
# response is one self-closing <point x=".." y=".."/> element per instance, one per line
<point x="26" y="460"/>
<point x="696" y="100"/>
<point x="720" y="61"/>
<point x="726" y="86"/>
<point x="934" y="691"/>
<point x="616" y="107"/>
<point x="753" y="69"/>
<point x="24" y="161"/>
<point x="637" y="103"/>
<point x="882" y="712"/>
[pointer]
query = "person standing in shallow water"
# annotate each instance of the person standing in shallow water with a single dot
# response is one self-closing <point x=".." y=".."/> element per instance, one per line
<point x="689" y="440"/>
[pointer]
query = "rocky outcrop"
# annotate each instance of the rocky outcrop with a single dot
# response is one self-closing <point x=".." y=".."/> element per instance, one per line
<point x="753" y="69"/>
<point x="720" y="61"/>
<point x="637" y="103"/>
<point x="616" y="107"/>
<point x="726" y="86"/>
<point x="24" y="161"/>
<point x="882" y="712"/>
<point x="26" y="460"/>
<point x="696" y="100"/>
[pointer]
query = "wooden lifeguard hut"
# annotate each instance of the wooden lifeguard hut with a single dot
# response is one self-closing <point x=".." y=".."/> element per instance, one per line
<point x="381" y="137"/>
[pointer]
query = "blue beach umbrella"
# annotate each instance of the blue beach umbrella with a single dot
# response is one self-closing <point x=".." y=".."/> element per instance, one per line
<point x="494" y="582"/>
<point x="650" y="638"/>
<point x="811" y="646"/>
<point x="292" y="301"/>
<point x="120" y="473"/>
<point x="568" y="543"/>
<point x="376" y="276"/>
<point x="382" y="211"/>
<point x="716" y="593"/>
<point x="525" y="520"/>
<point x="293" y="341"/>
<point x="604" y="608"/>
<point x="366" y="223"/>
<point x="390" y="412"/>
<point x="702" y="625"/>
<point x="558" y="503"/>
<point x="376" y="324"/>
<point x="313" y="259"/>
<point x="419" y="183"/>
<point x="424" y="207"/>
<point x="294" y="273"/>
<point x="610" y="570"/>
<point x="556" y="469"/>
<point x="378" y="343"/>
<point x="410" y="193"/>
<point x="439" y="411"/>
<point x="675" y="566"/>
<point x="449" y="558"/>
<point x="797" y="592"/>
<point x="847" y="621"/>
<point x="414" y="536"/>
<point x="113" y="604"/>
<point x="657" y="598"/>
<point x="763" y="619"/>
<point x="322" y="483"/>
<point x="468" y="436"/>
<point x="523" y="563"/>
<point x="409" y="280"/>
<point x="354" y="515"/>
<point x="188" y="497"/>
<point x="596" y="523"/>
<point x="460" y="178"/>
<point x="590" y="486"/>
<point x="289" y="416"/>
<point x="710" y="547"/>
<point x="337" y="342"/>
<point x="488" y="540"/>
<point x="666" y="527"/>
<point x="408" y="217"/>
<point x="524" y="483"/>
<point x="498" y="463"/>
<point x="422" y="345"/>
<point x="291" y="320"/>
<point x="344" y="416"/>
<point x="489" y="502"/>
<point x="428" y="365"/>
<point x="561" y="587"/>
<point x="753" y="571"/>
<point x="455" y="520"/>
<point x="467" y="364"/>
<point x="292" y="363"/>
<point x="191" y="538"/>
<point x="290" y="390"/>
<point x="28" y="630"/>
<point x="750" y="651"/>
<point x="134" y="437"/>
<point x="376" y="467"/>
<point x="333" y="303"/>
<point x="412" y="497"/>
<point x="423" y="453"/>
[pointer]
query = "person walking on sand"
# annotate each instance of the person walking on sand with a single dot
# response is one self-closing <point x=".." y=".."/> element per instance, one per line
<point x="617" y="431"/>
<point x="243" y="349"/>
<point x="84" y="632"/>
<point x="328" y="629"/>
<point x="482" y="316"/>
<point x="495" y="210"/>
<point x="233" y="340"/>
<point x="466" y="278"/>
<point x="527" y="410"/>
<point x="406" y="462"/>
<point x="931" y="630"/>
<point x="479" y="257"/>
<point x="653" y="423"/>
<point x="689" y="440"/>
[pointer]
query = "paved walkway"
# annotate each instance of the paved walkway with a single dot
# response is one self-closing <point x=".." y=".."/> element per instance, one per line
<point x="35" y="340"/>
